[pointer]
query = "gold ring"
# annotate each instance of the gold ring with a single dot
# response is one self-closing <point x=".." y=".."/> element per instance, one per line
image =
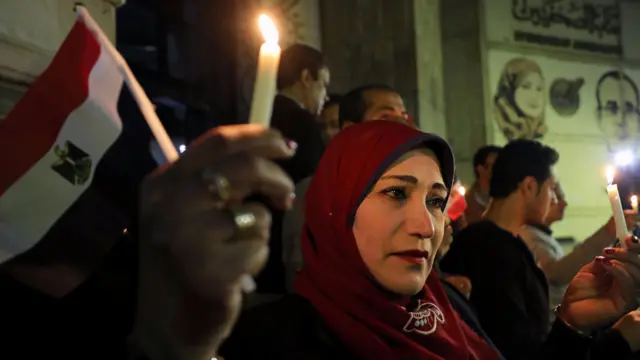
<point x="243" y="219"/>
<point x="218" y="186"/>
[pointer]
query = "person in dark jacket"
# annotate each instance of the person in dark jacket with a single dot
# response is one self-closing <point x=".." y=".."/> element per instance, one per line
<point x="374" y="222"/>
<point x="303" y="78"/>
<point x="302" y="83"/>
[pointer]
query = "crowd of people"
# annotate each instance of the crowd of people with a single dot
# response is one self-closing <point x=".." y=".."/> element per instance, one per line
<point x="362" y="247"/>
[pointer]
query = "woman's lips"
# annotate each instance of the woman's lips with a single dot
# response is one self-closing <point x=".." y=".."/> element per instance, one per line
<point x="413" y="256"/>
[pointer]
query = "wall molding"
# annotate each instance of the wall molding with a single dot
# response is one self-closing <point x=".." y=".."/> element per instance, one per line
<point x="586" y="211"/>
<point x="533" y="50"/>
<point x="116" y="3"/>
<point x="579" y="138"/>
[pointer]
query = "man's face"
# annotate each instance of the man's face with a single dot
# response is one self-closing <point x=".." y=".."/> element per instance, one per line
<point x="315" y="89"/>
<point x="330" y="123"/>
<point x="538" y="199"/>
<point x="385" y="105"/>
<point x="556" y="210"/>
<point x="484" y="170"/>
<point x="618" y="113"/>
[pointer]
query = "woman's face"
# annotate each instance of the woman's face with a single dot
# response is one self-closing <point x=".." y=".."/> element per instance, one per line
<point x="529" y="95"/>
<point x="399" y="226"/>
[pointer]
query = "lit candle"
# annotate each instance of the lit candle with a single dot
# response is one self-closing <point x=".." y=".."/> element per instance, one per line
<point x="462" y="190"/>
<point x="616" y="207"/>
<point x="634" y="203"/>
<point x="264" y="89"/>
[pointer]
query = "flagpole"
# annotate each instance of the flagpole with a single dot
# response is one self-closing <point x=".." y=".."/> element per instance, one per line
<point x="146" y="106"/>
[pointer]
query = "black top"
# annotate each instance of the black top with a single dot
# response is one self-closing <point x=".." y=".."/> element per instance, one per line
<point x="292" y="329"/>
<point x="92" y="322"/>
<point x="95" y="321"/>
<point x="286" y="329"/>
<point x="299" y="125"/>
<point x="461" y="305"/>
<point x="510" y="291"/>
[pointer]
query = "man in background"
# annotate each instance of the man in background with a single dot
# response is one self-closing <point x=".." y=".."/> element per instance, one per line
<point x="478" y="196"/>
<point x="330" y="117"/>
<point x="549" y="255"/>
<point x="509" y="290"/>
<point x="302" y="83"/>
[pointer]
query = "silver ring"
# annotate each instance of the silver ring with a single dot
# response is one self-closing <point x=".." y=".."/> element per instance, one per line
<point x="218" y="186"/>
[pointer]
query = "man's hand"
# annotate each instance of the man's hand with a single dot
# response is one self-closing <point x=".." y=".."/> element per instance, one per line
<point x="199" y="239"/>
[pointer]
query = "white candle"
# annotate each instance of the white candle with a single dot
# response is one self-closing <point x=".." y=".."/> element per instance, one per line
<point x="616" y="208"/>
<point x="264" y="89"/>
<point x="634" y="203"/>
<point x="462" y="190"/>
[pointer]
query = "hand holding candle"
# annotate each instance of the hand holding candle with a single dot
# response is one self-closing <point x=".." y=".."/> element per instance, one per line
<point x="264" y="89"/>
<point x="616" y="207"/>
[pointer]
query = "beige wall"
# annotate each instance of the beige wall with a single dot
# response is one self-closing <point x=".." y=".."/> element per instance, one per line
<point x="577" y="136"/>
<point x="30" y="34"/>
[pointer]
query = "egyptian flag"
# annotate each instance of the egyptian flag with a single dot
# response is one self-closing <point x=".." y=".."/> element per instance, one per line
<point x="55" y="138"/>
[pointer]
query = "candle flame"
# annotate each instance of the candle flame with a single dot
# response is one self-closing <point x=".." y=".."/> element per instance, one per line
<point x="634" y="200"/>
<point x="610" y="173"/>
<point x="462" y="190"/>
<point x="268" y="29"/>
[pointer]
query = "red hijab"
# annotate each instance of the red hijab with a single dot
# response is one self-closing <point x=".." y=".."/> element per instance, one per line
<point x="334" y="277"/>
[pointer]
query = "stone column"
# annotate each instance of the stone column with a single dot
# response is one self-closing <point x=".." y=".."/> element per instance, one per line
<point x="430" y="80"/>
<point x="370" y="41"/>
<point x="463" y="64"/>
<point x="388" y="41"/>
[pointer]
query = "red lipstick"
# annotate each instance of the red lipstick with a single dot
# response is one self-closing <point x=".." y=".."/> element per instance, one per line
<point x="413" y="256"/>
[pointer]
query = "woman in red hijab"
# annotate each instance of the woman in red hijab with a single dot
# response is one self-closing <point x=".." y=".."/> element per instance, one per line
<point x="374" y="221"/>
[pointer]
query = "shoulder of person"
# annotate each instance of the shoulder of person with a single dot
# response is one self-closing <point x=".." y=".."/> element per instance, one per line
<point x="481" y="234"/>
<point x="537" y="239"/>
<point x="478" y="243"/>
<point x="283" y="329"/>
<point x="286" y="111"/>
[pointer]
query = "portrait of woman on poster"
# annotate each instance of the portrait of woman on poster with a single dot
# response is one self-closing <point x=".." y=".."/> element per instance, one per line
<point x="519" y="102"/>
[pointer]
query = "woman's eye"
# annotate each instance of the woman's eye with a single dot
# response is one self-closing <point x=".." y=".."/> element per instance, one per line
<point x="436" y="202"/>
<point x="396" y="193"/>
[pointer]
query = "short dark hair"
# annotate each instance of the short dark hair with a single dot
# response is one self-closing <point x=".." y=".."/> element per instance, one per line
<point x="620" y="76"/>
<point x="481" y="156"/>
<point x="354" y="103"/>
<point x="519" y="160"/>
<point x="294" y="60"/>
<point x="334" y="99"/>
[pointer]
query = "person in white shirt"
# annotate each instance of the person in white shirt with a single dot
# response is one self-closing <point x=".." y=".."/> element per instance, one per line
<point x="559" y="267"/>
